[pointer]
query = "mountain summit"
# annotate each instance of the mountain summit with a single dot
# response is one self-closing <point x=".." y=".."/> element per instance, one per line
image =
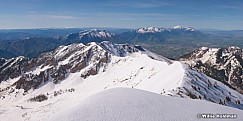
<point x="96" y="33"/>
<point x="150" y="30"/>
<point x="87" y="36"/>
<point x="183" y="28"/>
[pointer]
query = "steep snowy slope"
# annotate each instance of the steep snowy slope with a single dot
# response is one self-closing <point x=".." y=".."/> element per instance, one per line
<point x="56" y="80"/>
<point x="124" y="104"/>
<point x="224" y="64"/>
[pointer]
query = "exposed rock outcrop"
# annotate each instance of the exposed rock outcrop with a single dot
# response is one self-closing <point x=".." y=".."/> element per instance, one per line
<point x="56" y="65"/>
<point x="224" y="64"/>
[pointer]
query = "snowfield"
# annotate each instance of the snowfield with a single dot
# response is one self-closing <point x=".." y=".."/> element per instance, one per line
<point x="125" y="104"/>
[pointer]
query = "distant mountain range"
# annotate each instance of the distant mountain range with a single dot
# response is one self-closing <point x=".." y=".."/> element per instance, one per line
<point x="170" y="42"/>
<point x="32" y="46"/>
<point x="11" y="34"/>
<point x="158" y="35"/>
<point x="92" y="35"/>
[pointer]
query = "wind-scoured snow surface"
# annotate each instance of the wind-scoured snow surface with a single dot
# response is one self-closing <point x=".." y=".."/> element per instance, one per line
<point x="124" y="66"/>
<point x="124" y="104"/>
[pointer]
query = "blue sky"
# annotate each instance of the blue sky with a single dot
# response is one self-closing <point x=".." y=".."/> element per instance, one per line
<point x="214" y="14"/>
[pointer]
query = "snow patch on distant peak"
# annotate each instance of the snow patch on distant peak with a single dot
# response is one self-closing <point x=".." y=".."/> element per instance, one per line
<point x="157" y="30"/>
<point x="177" y="27"/>
<point x="150" y="30"/>
<point x="204" y="48"/>
<point x="190" y="29"/>
<point x="234" y="47"/>
<point x="187" y="28"/>
<point x="96" y="33"/>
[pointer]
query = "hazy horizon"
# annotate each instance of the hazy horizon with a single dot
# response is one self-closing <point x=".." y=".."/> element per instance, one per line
<point x="210" y="29"/>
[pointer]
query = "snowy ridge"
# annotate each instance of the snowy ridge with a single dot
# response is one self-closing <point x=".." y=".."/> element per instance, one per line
<point x="224" y="64"/>
<point x="150" y="30"/>
<point x="138" y="105"/>
<point x="158" y="30"/>
<point x="183" y="28"/>
<point x="11" y="67"/>
<point x="87" y="36"/>
<point x="96" y="33"/>
<point x="177" y="27"/>
<point x="11" y="62"/>
<point x="63" y="78"/>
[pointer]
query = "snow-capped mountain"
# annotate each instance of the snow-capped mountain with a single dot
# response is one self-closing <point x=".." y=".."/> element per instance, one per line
<point x="223" y="64"/>
<point x="37" y="88"/>
<point x="158" y="30"/>
<point x="96" y="33"/>
<point x="158" y="35"/>
<point x="150" y="30"/>
<point x="87" y="36"/>
<point x="177" y="27"/>
<point x="34" y="46"/>
<point x="182" y="28"/>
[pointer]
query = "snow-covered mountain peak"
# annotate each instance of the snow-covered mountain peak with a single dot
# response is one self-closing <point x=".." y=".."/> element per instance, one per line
<point x="177" y="27"/>
<point x="183" y="28"/>
<point x="96" y="33"/>
<point x="158" y="30"/>
<point x="74" y="57"/>
<point x="150" y="30"/>
<point x="203" y="48"/>
<point x="190" y="29"/>
<point x="234" y="49"/>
